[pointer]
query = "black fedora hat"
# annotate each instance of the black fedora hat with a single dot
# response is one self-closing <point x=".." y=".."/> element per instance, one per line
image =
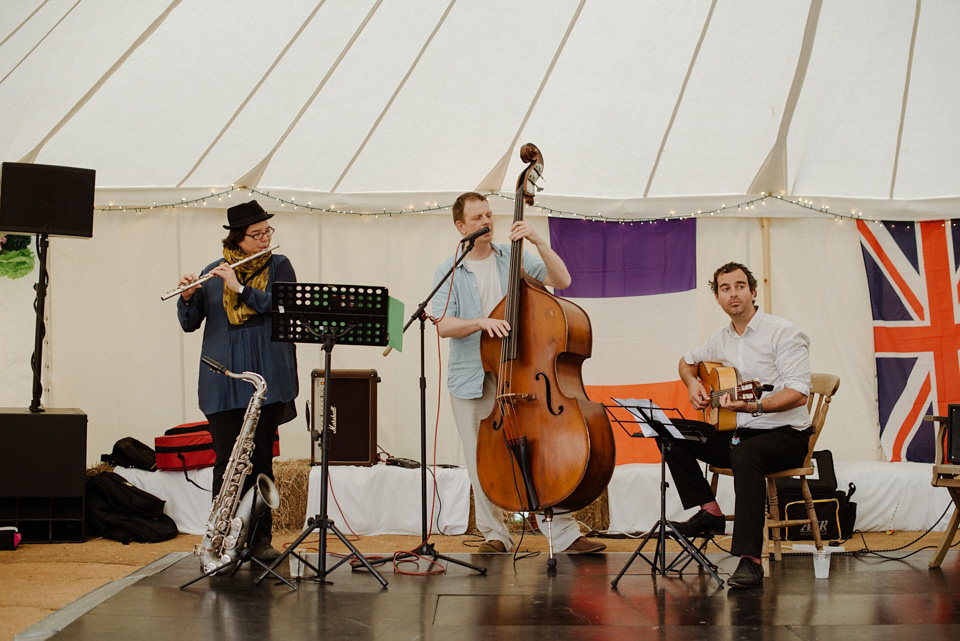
<point x="243" y="215"/>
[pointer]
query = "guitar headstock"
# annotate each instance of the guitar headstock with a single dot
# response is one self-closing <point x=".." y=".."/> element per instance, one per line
<point x="748" y="391"/>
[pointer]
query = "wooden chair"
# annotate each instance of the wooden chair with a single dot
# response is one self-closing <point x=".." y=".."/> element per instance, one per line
<point x="822" y="389"/>
<point x="945" y="475"/>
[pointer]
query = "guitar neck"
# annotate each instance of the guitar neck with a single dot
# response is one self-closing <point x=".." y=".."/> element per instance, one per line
<point x="746" y="391"/>
<point x="716" y="394"/>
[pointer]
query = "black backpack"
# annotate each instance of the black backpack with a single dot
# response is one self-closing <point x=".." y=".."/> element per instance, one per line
<point x="129" y="452"/>
<point x="123" y="512"/>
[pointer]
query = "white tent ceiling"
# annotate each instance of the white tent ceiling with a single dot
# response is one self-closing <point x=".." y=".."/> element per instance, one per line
<point x="639" y="107"/>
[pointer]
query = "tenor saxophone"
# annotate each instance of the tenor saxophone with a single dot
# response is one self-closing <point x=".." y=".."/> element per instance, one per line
<point x="231" y="517"/>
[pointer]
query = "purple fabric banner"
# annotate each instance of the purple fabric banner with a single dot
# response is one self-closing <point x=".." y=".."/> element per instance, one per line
<point x="608" y="260"/>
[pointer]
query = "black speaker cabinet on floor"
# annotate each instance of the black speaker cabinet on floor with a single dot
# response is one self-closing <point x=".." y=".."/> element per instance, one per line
<point x="46" y="199"/>
<point x="43" y="459"/>
<point x="353" y="413"/>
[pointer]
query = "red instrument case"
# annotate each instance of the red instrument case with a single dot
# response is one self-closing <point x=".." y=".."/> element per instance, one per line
<point x="185" y="447"/>
<point x="189" y="447"/>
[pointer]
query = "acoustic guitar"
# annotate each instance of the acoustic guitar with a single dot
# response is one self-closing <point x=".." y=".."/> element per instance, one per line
<point x="719" y="380"/>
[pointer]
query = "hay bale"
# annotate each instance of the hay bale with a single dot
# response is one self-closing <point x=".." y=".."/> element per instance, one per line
<point x="292" y="479"/>
<point x="99" y="468"/>
<point x="596" y="516"/>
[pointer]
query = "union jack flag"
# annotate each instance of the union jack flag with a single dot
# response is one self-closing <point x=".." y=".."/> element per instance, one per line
<point x="912" y="273"/>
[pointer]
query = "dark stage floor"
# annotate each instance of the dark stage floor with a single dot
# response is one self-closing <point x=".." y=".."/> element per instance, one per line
<point x="864" y="598"/>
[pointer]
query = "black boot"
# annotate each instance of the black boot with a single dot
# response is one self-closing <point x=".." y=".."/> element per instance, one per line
<point x="749" y="574"/>
<point x="263" y="551"/>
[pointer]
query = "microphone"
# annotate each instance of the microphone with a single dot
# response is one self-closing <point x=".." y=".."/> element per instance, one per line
<point x="475" y="235"/>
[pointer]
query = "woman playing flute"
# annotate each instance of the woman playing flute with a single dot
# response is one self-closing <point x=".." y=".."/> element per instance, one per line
<point x="236" y="306"/>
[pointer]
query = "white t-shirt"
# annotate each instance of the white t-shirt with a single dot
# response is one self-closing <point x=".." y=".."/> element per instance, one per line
<point x="488" y="282"/>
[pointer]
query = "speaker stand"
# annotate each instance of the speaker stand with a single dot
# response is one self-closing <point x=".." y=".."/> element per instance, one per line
<point x="36" y="361"/>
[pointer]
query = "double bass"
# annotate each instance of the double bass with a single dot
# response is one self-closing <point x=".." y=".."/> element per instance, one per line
<point x="545" y="445"/>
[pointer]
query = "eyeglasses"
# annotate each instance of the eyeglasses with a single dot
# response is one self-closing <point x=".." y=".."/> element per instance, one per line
<point x="266" y="233"/>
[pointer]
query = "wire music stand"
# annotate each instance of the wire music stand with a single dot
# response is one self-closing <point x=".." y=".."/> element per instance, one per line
<point x="328" y="314"/>
<point x="650" y="416"/>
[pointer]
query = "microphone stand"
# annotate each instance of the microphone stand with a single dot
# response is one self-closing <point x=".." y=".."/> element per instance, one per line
<point x="426" y="548"/>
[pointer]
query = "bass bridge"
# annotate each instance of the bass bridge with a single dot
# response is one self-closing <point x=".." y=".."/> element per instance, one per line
<point x="509" y="398"/>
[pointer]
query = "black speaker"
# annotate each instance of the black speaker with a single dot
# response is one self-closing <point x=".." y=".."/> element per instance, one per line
<point x="46" y="199"/>
<point x="43" y="458"/>
<point x="353" y="416"/>
<point x="951" y="452"/>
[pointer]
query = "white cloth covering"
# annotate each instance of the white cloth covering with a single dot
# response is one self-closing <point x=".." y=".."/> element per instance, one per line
<point x="186" y="504"/>
<point x="367" y="501"/>
<point x="386" y="500"/>
<point x="889" y="496"/>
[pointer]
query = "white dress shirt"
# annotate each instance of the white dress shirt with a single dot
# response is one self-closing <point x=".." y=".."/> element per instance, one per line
<point x="772" y="351"/>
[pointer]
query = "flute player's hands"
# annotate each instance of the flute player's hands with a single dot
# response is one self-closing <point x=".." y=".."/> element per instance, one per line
<point x="187" y="294"/>
<point x="225" y="272"/>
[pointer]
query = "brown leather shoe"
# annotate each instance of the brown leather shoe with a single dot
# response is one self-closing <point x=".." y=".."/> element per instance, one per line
<point x="583" y="545"/>
<point x="492" y="547"/>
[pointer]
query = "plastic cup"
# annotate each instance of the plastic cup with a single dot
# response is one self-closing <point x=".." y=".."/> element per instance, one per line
<point x="296" y="567"/>
<point x="821" y="564"/>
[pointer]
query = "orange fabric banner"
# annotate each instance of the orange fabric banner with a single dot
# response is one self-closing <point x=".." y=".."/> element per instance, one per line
<point x="668" y="396"/>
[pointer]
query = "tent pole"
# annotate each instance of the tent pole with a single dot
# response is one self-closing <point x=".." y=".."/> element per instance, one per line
<point x="765" y="241"/>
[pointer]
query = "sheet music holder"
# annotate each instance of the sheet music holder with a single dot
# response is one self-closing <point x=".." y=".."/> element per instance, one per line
<point x="654" y="423"/>
<point x="328" y="314"/>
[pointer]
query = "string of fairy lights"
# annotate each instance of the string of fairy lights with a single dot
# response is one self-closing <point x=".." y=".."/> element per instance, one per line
<point x="745" y="206"/>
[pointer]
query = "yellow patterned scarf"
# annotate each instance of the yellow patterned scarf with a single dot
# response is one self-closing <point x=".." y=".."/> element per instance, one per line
<point x="237" y="311"/>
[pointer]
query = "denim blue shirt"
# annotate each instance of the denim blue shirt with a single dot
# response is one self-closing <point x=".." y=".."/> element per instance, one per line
<point x="465" y="371"/>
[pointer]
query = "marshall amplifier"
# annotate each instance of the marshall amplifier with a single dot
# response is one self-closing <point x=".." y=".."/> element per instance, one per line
<point x="353" y="416"/>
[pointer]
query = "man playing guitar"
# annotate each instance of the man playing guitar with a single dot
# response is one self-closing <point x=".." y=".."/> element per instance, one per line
<point x="770" y="433"/>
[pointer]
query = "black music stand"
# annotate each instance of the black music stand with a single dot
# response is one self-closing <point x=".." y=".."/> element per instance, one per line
<point x="426" y="548"/>
<point x="327" y="314"/>
<point x="663" y="529"/>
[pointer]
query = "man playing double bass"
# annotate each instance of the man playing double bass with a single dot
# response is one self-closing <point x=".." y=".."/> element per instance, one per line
<point x="772" y="433"/>
<point x="478" y="284"/>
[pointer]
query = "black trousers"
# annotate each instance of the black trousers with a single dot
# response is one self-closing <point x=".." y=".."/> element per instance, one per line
<point x="225" y="428"/>
<point x="759" y="452"/>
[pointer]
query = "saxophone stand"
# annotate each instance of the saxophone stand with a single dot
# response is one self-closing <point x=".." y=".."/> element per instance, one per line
<point x="426" y="548"/>
<point x="348" y="307"/>
<point x="245" y="556"/>
<point x="664" y="529"/>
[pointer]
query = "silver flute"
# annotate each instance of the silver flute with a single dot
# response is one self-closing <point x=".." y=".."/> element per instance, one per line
<point x="209" y="275"/>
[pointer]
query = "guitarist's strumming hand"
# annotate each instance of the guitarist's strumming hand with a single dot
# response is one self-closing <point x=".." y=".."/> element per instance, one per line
<point x="699" y="396"/>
